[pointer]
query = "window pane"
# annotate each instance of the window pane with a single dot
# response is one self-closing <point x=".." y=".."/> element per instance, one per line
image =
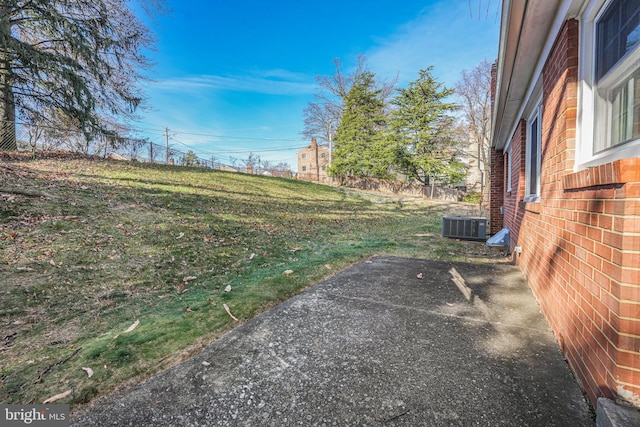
<point x="533" y="158"/>
<point x="509" y="166"/>
<point x="632" y="34"/>
<point x="630" y="15"/>
<point x="617" y="33"/>
<point x="625" y="110"/>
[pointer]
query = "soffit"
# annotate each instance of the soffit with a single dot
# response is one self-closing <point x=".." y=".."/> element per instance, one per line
<point x="524" y="32"/>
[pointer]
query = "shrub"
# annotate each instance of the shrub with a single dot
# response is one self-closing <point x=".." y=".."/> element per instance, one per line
<point x="472" y="198"/>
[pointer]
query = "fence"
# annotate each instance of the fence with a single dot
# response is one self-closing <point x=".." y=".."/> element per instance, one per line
<point x="24" y="137"/>
<point x="322" y="178"/>
<point x="435" y="192"/>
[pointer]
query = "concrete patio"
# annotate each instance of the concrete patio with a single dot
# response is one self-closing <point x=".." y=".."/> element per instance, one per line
<point x="388" y="341"/>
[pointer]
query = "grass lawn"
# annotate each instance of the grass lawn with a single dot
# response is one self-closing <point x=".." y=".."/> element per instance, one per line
<point x="113" y="243"/>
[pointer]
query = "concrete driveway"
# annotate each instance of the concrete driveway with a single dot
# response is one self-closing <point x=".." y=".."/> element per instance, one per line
<point x="386" y="342"/>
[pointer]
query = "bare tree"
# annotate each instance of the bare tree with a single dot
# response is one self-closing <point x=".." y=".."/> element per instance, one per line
<point x="474" y="97"/>
<point x="250" y="162"/>
<point x="323" y="115"/>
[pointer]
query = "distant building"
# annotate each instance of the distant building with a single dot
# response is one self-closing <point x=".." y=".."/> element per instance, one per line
<point x="313" y="162"/>
<point x="477" y="172"/>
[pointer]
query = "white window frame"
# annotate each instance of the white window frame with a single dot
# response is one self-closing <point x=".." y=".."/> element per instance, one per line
<point x="594" y="118"/>
<point x="534" y="120"/>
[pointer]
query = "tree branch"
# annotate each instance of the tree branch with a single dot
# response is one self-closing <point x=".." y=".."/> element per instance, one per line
<point x="25" y="192"/>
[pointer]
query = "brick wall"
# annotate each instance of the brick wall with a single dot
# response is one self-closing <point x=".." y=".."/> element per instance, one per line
<point x="496" y="173"/>
<point x="581" y="242"/>
<point x="496" y="195"/>
<point x="513" y="206"/>
<point x="600" y="253"/>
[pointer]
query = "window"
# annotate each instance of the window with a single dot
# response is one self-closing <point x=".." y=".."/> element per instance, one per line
<point x="608" y="123"/>
<point x="509" y="166"/>
<point x="534" y="155"/>
<point x="304" y="169"/>
<point x="618" y="76"/>
<point x="304" y="155"/>
<point x="323" y="155"/>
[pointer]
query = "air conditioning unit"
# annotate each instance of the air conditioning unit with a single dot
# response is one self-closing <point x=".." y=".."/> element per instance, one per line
<point x="464" y="228"/>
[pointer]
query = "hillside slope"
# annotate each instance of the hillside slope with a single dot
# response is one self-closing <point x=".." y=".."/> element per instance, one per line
<point x="111" y="246"/>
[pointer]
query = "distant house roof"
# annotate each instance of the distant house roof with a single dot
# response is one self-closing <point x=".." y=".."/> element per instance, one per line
<point x="227" y="168"/>
<point x="115" y="156"/>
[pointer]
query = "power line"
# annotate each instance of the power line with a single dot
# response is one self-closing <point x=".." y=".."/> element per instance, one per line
<point x="480" y="8"/>
<point x="262" y="150"/>
<point x="239" y="137"/>
<point x="263" y="128"/>
<point x="238" y="151"/>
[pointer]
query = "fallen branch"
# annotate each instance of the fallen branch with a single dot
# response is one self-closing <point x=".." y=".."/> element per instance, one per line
<point x="226" y="307"/>
<point x="57" y="397"/>
<point x="25" y="192"/>
<point x="132" y="327"/>
<point x="12" y="168"/>
<point x="405" y="412"/>
<point x="53" y="365"/>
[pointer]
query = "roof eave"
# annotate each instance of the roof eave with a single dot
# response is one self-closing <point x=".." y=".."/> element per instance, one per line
<point x="524" y="30"/>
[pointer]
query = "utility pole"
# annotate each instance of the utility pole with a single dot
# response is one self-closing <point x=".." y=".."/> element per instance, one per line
<point x="166" y="136"/>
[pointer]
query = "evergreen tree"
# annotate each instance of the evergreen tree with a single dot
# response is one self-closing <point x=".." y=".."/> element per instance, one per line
<point x="79" y="59"/>
<point x="322" y="116"/>
<point x="421" y="127"/>
<point x="190" y="159"/>
<point x="361" y="147"/>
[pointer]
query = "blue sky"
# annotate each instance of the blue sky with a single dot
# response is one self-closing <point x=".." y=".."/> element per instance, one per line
<point x="234" y="76"/>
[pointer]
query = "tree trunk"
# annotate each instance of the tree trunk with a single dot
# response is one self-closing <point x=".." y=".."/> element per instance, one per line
<point x="7" y="105"/>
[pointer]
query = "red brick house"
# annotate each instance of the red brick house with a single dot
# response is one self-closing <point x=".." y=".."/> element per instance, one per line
<point x="566" y="173"/>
